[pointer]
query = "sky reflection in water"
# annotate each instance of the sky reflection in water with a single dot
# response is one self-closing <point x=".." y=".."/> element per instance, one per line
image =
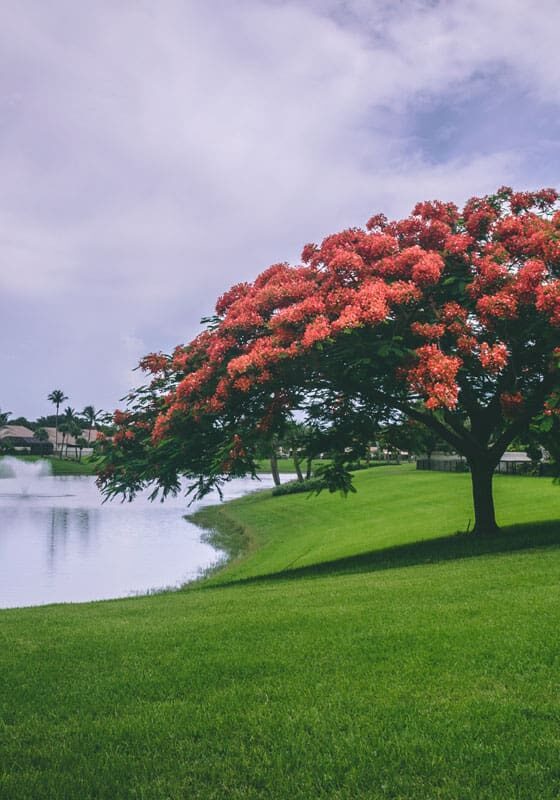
<point x="59" y="543"/>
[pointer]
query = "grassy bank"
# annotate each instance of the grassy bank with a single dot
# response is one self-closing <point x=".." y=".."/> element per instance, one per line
<point x="394" y="506"/>
<point x="382" y="668"/>
<point x="66" y="466"/>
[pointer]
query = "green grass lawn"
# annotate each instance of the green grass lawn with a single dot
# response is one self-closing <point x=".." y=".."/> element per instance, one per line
<point x="66" y="466"/>
<point x="348" y="654"/>
<point x="395" y="506"/>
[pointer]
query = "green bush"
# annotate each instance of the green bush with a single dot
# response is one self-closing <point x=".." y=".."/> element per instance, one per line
<point x="296" y="487"/>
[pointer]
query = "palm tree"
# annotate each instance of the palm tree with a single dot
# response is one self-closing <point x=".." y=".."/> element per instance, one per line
<point x="91" y="416"/>
<point x="57" y="397"/>
<point x="80" y="444"/>
<point x="70" y="423"/>
<point x="65" y="430"/>
<point x="70" y="414"/>
<point x="4" y="417"/>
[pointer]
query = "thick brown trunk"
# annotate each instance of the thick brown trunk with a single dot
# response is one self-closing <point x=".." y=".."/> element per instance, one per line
<point x="483" y="499"/>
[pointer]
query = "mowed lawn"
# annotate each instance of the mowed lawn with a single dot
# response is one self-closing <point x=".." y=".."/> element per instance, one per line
<point x="349" y="655"/>
<point x="394" y="506"/>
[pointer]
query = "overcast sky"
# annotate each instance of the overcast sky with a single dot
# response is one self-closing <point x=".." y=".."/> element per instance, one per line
<point x="153" y="152"/>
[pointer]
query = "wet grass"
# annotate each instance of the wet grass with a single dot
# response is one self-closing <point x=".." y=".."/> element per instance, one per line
<point x="386" y="660"/>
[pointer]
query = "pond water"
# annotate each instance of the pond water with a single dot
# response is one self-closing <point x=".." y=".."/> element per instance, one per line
<point x="60" y="543"/>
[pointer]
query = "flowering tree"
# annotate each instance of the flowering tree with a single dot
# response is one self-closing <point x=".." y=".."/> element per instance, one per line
<point x="449" y="318"/>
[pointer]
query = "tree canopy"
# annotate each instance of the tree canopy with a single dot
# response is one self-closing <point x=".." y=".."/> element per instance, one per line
<point x="448" y="317"/>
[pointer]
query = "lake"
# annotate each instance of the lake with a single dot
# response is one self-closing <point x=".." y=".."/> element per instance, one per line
<point x="60" y="543"/>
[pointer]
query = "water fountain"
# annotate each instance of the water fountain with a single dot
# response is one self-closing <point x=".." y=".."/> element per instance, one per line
<point x="23" y="476"/>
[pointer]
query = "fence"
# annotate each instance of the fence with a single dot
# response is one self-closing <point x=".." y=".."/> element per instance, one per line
<point x="505" y="467"/>
<point x="442" y="464"/>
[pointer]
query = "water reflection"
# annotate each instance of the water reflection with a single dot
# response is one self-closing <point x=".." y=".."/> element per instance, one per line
<point x="59" y="543"/>
<point x="80" y="523"/>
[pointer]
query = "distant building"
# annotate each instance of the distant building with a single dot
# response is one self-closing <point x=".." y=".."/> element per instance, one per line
<point x="69" y="441"/>
<point x="21" y="438"/>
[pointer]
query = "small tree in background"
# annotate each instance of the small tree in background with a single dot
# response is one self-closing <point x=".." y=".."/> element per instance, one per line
<point x="81" y="442"/>
<point x="450" y="318"/>
<point x="296" y="440"/>
<point x="5" y="444"/>
<point x="41" y="436"/>
<point x="412" y="436"/>
<point x="64" y="428"/>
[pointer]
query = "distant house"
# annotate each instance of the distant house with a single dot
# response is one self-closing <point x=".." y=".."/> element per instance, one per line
<point x="15" y="433"/>
<point x="21" y="438"/>
<point x="69" y="441"/>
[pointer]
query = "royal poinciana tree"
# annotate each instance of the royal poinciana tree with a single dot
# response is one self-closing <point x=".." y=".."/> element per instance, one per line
<point x="448" y="317"/>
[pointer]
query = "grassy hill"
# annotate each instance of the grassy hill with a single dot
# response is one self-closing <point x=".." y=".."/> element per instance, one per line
<point x="355" y="651"/>
<point x="394" y="506"/>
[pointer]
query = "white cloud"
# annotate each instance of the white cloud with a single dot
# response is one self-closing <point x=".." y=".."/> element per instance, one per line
<point x="154" y="153"/>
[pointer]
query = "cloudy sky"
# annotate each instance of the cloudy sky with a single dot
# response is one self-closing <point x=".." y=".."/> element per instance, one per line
<point x="153" y="152"/>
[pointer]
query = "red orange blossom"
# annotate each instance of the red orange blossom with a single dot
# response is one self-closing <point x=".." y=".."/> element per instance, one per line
<point x="449" y="316"/>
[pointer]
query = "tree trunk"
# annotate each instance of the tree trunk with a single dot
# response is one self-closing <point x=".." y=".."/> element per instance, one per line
<point x="309" y="468"/>
<point x="483" y="499"/>
<point x="298" y="468"/>
<point x="274" y="468"/>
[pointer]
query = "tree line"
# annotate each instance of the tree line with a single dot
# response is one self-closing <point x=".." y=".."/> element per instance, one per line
<point x="67" y="423"/>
